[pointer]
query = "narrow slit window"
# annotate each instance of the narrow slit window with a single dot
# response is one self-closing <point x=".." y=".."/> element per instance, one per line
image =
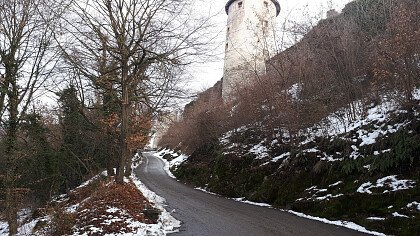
<point x="227" y="46"/>
<point x="265" y="24"/>
<point x="240" y="4"/>
<point x="266" y="4"/>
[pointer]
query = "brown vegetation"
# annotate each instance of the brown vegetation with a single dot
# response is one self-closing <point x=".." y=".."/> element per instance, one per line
<point x="346" y="61"/>
<point x="105" y="205"/>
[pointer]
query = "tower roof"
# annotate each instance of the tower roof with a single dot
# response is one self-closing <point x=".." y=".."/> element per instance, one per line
<point x="276" y="3"/>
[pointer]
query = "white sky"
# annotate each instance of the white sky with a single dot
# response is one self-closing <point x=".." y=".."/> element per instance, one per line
<point x="205" y="75"/>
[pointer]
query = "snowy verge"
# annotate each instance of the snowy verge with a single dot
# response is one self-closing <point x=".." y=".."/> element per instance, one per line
<point x="166" y="221"/>
<point x="177" y="160"/>
<point x="167" y="165"/>
<point x="242" y="199"/>
<point x="346" y="224"/>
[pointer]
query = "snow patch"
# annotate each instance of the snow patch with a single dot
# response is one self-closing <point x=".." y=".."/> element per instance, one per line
<point x="282" y="156"/>
<point x="73" y="208"/>
<point x="113" y="210"/>
<point x="4" y="228"/>
<point x="335" y="184"/>
<point x="252" y="203"/>
<point x="166" y="222"/>
<point x="25" y="228"/>
<point x="396" y="214"/>
<point x="328" y="196"/>
<point x="345" y="224"/>
<point x="330" y="158"/>
<point x="177" y="161"/>
<point x="86" y="183"/>
<point x="414" y="205"/>
<point x="390" y="182"/>
<point x="294" y="91"/>
<point x="259" y="150"/>
<point x="206" y="191"/>
<point x="375" y="218"/>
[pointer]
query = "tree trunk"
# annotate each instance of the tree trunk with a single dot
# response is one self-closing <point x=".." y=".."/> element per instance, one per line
<point x="11" y="140"/>
<point x="128" y="167"/>
<point x="125" y="111"/>
<point x="11" y="212"/>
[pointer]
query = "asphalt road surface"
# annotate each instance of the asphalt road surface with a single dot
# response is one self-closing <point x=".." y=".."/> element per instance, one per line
<point x="205" y="214"/>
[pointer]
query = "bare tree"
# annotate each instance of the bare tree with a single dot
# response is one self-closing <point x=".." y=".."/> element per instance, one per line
<point x="397" y="54"/>
<point x="26" y="63"/>
<point x="142" y="47"/>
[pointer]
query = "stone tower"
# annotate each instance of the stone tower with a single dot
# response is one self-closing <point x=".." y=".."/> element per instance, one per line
<point x="249" y="40"/>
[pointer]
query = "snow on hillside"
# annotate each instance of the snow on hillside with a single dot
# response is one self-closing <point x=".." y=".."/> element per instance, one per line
<point x="359" y="152"/>
<point x="391" y="183"/>
<point x="25" y="221"/>
<point x="171" y="159"/>
<point x="365" y="129"/>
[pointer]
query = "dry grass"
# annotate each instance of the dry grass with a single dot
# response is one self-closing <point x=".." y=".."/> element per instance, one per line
<point x="103" y="207"/>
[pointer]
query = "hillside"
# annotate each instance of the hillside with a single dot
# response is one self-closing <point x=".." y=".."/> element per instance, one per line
<point x="331" y="131"/>
<point x="364" y="171"/>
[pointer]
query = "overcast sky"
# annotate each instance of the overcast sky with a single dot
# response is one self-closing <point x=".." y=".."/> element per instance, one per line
<point x="204" y="75"/>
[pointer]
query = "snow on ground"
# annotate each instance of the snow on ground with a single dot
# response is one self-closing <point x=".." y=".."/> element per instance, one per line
<point x="314" y="191"/>
<point x="390" y="182"/>
<point x="260" y="151"/>
<point x="345" y="224"/>
<point x="375" y="218"/>
<point x="294" y="91"/>
<point x="336" y="125"/>
<point x="328" y="196"/>
<point x="26" y="226"/>
<point x="339" y="123"/>
<point x="177" y="160"/>
<point x="206" y="191"/>
<point x="241" y="199"/>
<point x="370" y="125"/>
<point x="4" y="228"/>
<point x="86" y="183"/>
<point x="330" y="158"/>
<point x="166" y="223"/>
<point x="414" y="205"/>
<point x="396" y="214"/>
<point x="335" y="184"/>
<point x="282" y="156"/>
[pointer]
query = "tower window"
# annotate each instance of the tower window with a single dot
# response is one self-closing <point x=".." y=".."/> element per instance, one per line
<point x="226" y="46"/>
<point x="265" y="24"/>
<point x="266" y="4"/>
<point x="240" y="4"/>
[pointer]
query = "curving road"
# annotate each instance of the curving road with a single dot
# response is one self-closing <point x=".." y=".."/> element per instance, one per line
<point x="206" y="214"/>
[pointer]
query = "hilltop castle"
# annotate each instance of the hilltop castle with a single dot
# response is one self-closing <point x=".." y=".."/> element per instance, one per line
<point x="249" y="40"/>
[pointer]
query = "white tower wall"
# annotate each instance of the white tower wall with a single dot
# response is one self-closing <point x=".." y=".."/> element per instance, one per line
<point x="249" y="41"/>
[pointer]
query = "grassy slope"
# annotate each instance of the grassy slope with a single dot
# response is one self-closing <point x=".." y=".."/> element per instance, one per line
<point x="232" y="171"/>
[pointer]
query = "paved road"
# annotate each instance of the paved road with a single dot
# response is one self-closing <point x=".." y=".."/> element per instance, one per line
<point x="206" y="214"/>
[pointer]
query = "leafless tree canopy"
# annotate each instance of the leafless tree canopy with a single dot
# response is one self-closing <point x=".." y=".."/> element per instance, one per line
<point x="137" y="49"/>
